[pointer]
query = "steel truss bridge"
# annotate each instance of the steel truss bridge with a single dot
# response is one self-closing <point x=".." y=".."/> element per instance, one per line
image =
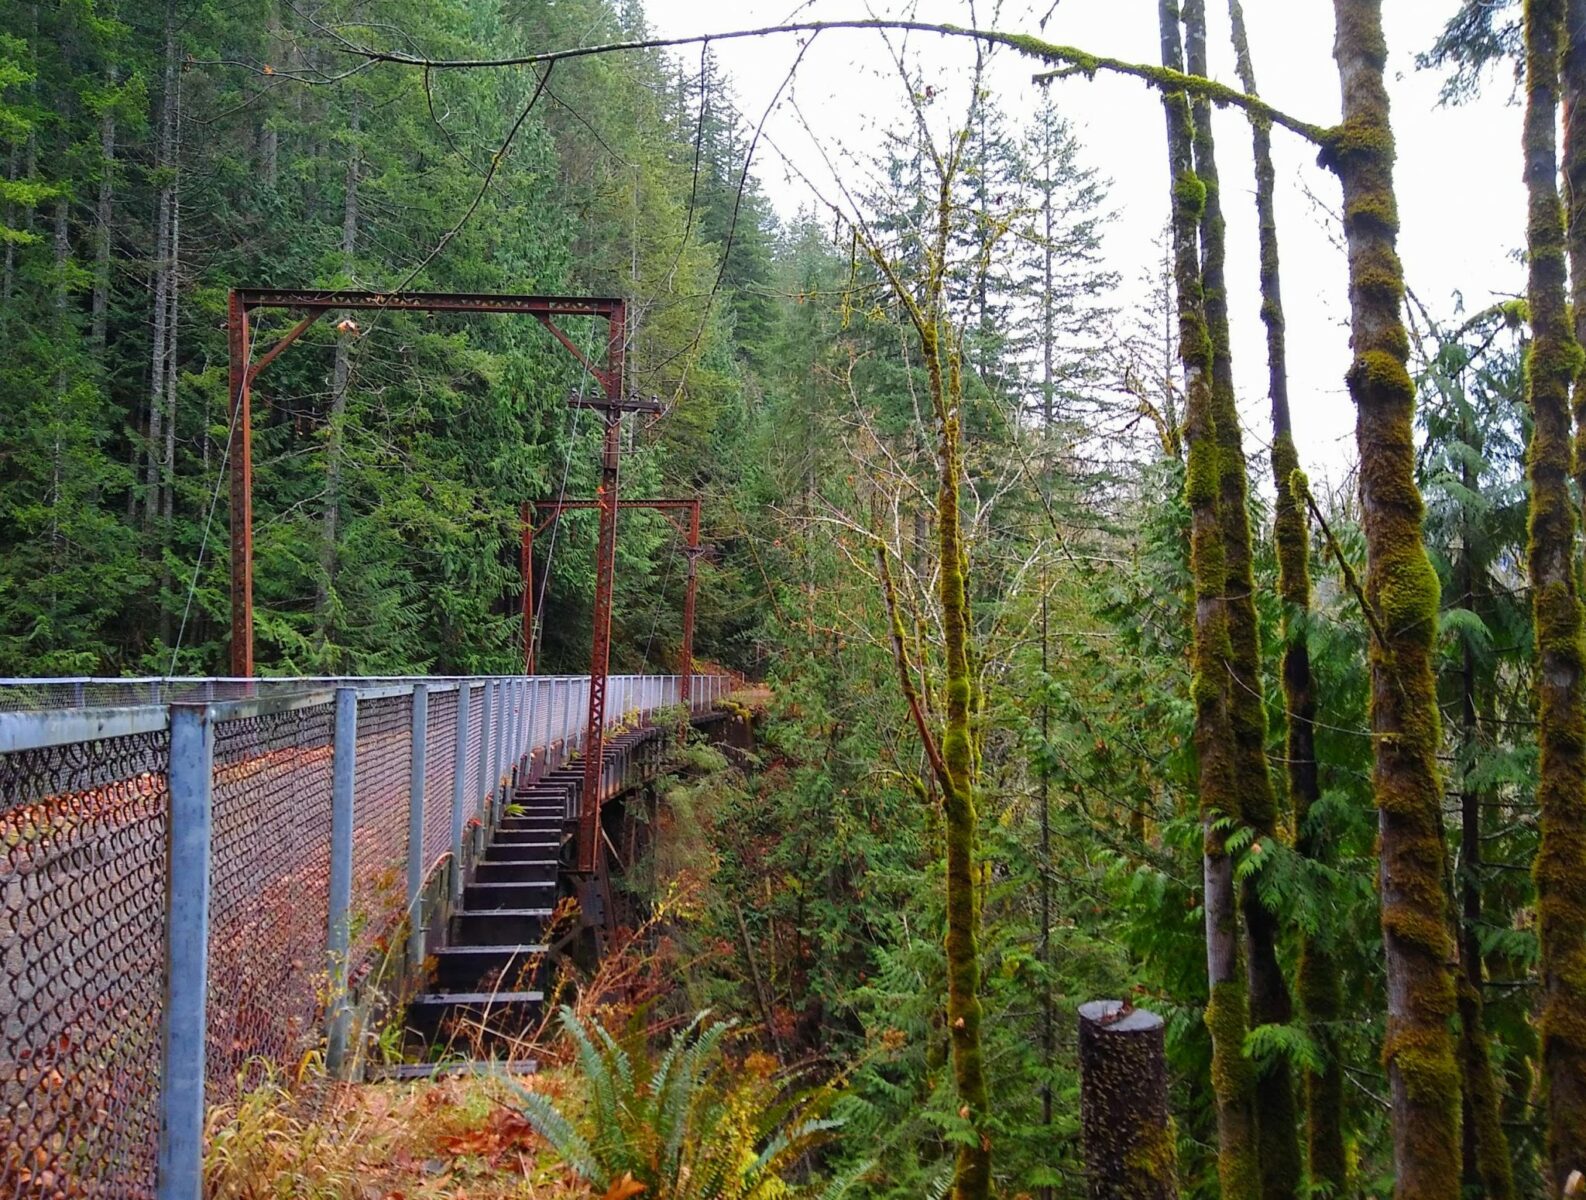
<point x="201" y="880"/>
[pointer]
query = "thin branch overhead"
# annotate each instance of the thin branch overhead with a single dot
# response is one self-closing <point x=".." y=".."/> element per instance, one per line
<point x="1032" y="47"/>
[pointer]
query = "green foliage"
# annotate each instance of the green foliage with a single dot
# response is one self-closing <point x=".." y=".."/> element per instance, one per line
<point x="685" y="1125"/>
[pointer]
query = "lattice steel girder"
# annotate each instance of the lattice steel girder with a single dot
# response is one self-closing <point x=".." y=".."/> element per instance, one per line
<point x="473" y="302"/>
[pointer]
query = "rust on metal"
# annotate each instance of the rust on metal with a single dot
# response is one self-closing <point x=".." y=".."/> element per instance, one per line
<point x="318" y="301"/>
<point x="605" y="569"/>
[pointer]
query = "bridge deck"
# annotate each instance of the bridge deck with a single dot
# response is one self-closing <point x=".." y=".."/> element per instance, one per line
<point x="296" y="828"/>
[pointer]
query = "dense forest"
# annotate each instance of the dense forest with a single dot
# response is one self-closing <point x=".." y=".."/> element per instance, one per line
<point x="1078" y="688"/>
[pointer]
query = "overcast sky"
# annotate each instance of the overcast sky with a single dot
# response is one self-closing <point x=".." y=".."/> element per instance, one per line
<point x="1461" y="198"/>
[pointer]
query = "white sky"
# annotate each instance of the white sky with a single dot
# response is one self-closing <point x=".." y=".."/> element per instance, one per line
<point x="1461" y="198"/>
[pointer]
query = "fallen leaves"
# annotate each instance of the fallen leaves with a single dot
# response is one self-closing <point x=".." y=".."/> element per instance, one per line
<point x="503" y="1133"/>
<point x="623" y="1188"/>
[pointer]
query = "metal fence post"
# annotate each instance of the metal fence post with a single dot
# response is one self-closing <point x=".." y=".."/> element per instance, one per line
<point x="190" y="772"/>
<point x="486" y="786"/>
<point x="554" y="718"/>
<point x="417" y="754"/>
<point x="504" y="690"/>
<point x="343" y="772"/>
<point x="460" y="788"/>
<point x="526" y="729"/>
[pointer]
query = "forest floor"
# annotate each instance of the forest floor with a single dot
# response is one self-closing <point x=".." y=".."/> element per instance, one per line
<point x="446" y="1139"/>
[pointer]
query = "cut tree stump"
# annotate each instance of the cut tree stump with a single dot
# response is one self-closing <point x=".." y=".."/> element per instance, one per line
<point x="1127" y="1132"/>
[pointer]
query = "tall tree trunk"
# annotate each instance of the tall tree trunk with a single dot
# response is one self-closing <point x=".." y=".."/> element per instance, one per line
<point x="1555" y="360"/>
<point x="1048" y="392"/>
<point x="1485" y="1164"/>
<point x="972" y="1178"/>
<point x="165" y="155"/>
<point x="168" y="458"/>
<point x="269" y="137"/>
<point x="1402" y="589"/>
<point x="1321" y="993"/>
<point x="1227" y="1010"/>
<point x="953" y="760"/>
<point x="8" y="268"/>
<point x="1279" y="1150"/>
<point x="1575" y="191"/>
<point x="103" y="212"/>
<point x="63" y="253"/>
<point x="341" y="372"/>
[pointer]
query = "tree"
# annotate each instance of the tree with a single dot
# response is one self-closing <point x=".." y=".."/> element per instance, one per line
<point x="1216" y="743"/>
<point x="1319" y="985"/>
<point x="1555" y="361"/>
<point x="1402" y="590"/>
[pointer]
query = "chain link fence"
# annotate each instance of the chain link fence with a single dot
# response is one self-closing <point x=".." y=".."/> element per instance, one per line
<point x="82" y="877"/>
<point x="162" y="908"/>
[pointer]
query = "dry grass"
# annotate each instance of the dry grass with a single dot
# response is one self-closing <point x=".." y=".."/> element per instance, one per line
<point x="439" y="1139"/>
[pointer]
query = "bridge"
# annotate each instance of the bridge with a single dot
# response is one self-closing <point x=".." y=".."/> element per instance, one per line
<point x="202" y="881"/>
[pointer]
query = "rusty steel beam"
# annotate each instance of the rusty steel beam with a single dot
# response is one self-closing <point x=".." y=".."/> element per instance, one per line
<point x="291" y="335"/>
<point x="688" y="527"/>
<point x="526" y="567"/>
<point x="605" y="570"/>
<point x="469" y="302"/>
<point x="686" y="688"/>
<point x="532" y="528"/>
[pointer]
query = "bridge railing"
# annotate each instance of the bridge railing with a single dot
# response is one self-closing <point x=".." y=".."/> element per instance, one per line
<point x="197" y="874"/>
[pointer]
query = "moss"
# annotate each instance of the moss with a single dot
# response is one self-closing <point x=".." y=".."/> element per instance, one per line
<point x="1380" y="371"/>
<point x="1407" y="598"/>
<point x="1380" y="210"/>
<point x="1493" y="1172"/>
<point x="1227" y="1020"/>
<point x="1400" y="586"/>
<point x="1555" y="362"/>
<point x="1189" y="192"/>
<point x="1152" y="1162"/>
<point x="1272" y="1090"/>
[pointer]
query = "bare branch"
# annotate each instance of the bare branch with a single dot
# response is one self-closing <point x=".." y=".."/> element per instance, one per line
<point x="1069" y="57"/>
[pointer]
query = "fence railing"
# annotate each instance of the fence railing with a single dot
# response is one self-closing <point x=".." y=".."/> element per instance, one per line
<point x="197" y="874"/>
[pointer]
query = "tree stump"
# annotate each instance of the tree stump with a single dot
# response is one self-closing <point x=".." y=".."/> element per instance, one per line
<point x="1123" y="1112"/>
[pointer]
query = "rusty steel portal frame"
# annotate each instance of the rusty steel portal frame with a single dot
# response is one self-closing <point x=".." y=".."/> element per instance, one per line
<point x="589" y="813"/>
<point x="612" y="403"/>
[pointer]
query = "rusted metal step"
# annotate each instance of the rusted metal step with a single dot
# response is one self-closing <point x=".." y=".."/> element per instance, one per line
<point x="519" y="850"/>
<point x="523" y="840"/>
<point x="475" y="1022"/>
<point x="470" y="968"/>
<point x="499" y="926"/>
<point x="517" y="870"/>
<point x="480" y="896"/>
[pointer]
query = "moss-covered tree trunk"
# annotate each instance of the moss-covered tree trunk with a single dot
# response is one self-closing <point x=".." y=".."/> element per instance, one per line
<point x="1402" y="589"/>
<point x="1227" y="1009"/>
<point x="1270" y="1004"/>
<point x="953" y="756"/>
<point x="1574" y="85"/>
<point x="972" y="1178"/>
<point x="1321" y="993"/>
<point x="1555" y="360"/>
<point x="1484" y="1148"/>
